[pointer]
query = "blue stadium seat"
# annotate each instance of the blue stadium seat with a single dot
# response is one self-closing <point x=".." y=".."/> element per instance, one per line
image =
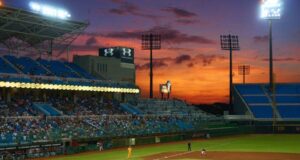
<point x="26" y="65"/>
<point x="249" y="89"/>
<point x="288" y="99"/>
<point x="59" y="69"/>
<point x="262" y="111"/>
<point x="6" y="68"/>
<point x="286" y="88"/>
<point x="289" y="111"/>
<point x="79" y="70"/>
<point x="256" y="99"/>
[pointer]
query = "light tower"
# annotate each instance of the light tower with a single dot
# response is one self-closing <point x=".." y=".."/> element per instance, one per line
<point x="244" y="70"/>
<point x="151" y="42"/>
<point x="271" y="10"/>
<point x="230" y="42"/>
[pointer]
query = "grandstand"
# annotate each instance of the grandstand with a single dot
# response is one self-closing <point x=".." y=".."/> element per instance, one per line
<point x="48" y="106"/>
<point x="51" y="107"/>
<point x="159" y="107"/>
<point x="256" y="100"/>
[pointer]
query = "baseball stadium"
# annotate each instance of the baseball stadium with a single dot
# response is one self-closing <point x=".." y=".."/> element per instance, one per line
<point x="69" y="93"/>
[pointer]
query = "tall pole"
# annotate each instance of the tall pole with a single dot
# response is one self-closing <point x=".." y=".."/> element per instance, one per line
<point x="230" y="42"/>
<point x="151" y="71"/>
<point x="244" y="74"/>
<point x="230" y="72"/>
<point x="274" y="104"/>
<point x="68" y="50"/>
<point x="151" y="42"/>
<point x="271" y="55"/>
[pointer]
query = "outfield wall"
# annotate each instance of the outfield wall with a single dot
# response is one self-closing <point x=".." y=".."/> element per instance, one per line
<point x="109" y="143"/>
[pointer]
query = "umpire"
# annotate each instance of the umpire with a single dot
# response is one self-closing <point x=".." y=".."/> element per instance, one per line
<point x="189" y="146"/>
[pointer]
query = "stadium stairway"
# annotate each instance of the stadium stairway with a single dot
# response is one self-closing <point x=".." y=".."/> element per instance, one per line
<point x="47" y="109"/>
<point x="129" y="108"/>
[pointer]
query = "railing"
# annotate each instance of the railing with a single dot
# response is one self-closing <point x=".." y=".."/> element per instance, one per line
<point x="193" y="115"/>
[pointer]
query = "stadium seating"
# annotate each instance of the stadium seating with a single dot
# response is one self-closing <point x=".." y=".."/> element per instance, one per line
<point x="59" y="69"/>
<point x="6" y="68"/>
<point x="88" y="117"/>
<point x="289" y="111"/>
<point x="288" y="99"/>
<point x="79" y="70"/>
<point x="130" y="109"/>
<point x="262" y="111"/>
<point x="250" y="89"/>
<point x="25" y="69"/>
<point x="47" y="109"/>
<point x="258" y="98"/>
<point x="27" y="65"/>
<point x="156" y="106"/>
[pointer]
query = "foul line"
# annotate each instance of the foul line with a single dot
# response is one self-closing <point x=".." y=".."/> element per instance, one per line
<point x="179" y="154"/>
<point x="174" y="155"/>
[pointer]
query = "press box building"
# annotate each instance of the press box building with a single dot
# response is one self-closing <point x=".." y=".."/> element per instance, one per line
<point x="115" y="63"/>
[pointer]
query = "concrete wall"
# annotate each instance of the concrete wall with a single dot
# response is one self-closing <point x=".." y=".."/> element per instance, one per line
<point x="107" y="67"/>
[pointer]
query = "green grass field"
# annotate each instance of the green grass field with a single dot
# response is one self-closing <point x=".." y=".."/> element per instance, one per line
<point x="285" y="143"/>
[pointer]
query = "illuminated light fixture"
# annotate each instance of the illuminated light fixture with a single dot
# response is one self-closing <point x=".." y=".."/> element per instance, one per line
<point x="49" y="11"/>
<point x="271" y="9"/>
<point x="66" y="87"/>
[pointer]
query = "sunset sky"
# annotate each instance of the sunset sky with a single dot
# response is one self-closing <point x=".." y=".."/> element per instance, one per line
<point x="190" y="57"/>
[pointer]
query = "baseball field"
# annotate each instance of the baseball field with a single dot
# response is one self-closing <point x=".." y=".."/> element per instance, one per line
<point x="243" y="147"/>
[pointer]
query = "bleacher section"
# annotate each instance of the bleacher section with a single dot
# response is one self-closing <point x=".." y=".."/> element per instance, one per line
<point x="47" y="109"/>
<point x="79" y="70"/>
<point x="164" y="107"/>
<point x="257" y="99"/>
<point x="6" y="68"/>
<point x="26" y="65"/>
<point x="59" y="69"/>
<point x="130" y="109"/>
<point x="25" y="69"/>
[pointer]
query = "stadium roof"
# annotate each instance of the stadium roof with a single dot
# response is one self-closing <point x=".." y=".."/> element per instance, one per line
<point x="21" y="30"/>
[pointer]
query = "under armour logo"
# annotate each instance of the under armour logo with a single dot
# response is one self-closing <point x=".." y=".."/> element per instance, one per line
<point x="126" y="51"/>
<point x="109" y="51"/>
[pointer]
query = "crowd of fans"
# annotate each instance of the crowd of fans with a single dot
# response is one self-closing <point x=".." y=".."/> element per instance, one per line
<point x="41" y="129"/>
<point x="83" y="117"/>
<point x="86" y="106"/>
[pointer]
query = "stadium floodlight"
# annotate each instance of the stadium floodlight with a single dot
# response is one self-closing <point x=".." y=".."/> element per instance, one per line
<point x="230" y="42"/>
<point x="49" y="10"/>
<point x="151" y="42"/>
<point x="271" y="9"/>
<point x="244" y="70"/>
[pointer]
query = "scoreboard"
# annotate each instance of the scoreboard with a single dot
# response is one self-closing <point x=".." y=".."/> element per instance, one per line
<point x="125" y="54"/>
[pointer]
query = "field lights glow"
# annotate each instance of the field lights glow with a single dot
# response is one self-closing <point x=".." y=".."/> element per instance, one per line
<point x="49" y="10"/>
<point x="271" y="9"/>
<point x="67" y="87"/>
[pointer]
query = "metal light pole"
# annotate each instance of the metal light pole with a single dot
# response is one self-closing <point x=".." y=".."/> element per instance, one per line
<point x="270" y="10"/>
<point x="244" y="70"/>
<point x="230" y="42"/>
<point x="271" y="55"/>
<point x="151" y="42"/>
